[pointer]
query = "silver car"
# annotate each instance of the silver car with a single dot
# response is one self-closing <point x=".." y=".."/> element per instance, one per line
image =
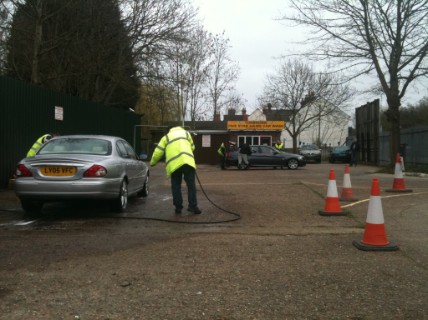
<point x="81" y="167"/>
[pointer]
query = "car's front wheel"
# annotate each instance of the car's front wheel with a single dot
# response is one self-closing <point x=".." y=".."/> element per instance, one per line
<point x="292" y="164"/>
<point x="121" y="202"/>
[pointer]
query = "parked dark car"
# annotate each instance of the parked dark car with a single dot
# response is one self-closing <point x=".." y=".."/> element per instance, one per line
<point x="266" y="156"/>
<point x="81" y="167"/>
<point x="341" y="153"/>
<point x="311" y="152"/>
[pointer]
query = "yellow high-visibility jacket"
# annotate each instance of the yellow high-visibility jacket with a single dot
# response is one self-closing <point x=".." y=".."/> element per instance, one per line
<point x="37" y="145"/>
<point x="222" y="150"/>
<point x="279" y="146"/>
<point x="177" y="146"/>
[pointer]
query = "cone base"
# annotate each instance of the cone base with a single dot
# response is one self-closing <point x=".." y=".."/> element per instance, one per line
<point x="348" y="199"/>
<point x="366" y="247"/>
<point x="399" y="190"/>
<point x="330" y="214"/>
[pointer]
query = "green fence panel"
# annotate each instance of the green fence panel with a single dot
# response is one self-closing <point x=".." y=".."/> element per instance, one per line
<point x="27" y="112"/>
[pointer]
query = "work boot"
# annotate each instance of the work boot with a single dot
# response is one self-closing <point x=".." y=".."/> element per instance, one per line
<point x="195" y="210"/>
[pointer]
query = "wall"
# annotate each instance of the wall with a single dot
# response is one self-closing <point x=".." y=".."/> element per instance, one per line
<point x="27" y="112"/>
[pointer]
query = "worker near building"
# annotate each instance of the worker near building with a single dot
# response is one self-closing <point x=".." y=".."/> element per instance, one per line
<point x="354" y="149"/>
<point x="39" y="143"/>
<point x="222" y="151"/>
<point x="243" y="153"/>
<point x="279" y="145"/>
<point x="177" y="146"/>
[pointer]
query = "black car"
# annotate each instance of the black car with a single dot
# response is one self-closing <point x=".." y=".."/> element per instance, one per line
<point x="266" y="156"/>
<point x="341" y="153"/>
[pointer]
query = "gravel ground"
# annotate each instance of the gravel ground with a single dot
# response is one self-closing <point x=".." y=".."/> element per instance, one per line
<point x="281" y="260"/>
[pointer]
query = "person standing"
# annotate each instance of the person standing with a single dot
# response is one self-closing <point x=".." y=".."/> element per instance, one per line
<point x="177" y="146"/>
<point x="222" y="151"/>
<point x="39" y="143"/>
<point x="355" y="148"/>
<point x="278" y="145"/>
<point x="244" y="152"/>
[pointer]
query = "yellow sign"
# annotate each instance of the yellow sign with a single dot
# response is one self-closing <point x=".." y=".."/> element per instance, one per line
<point x="256" y="125"/>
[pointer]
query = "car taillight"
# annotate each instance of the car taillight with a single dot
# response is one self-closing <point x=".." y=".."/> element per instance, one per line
<point x="95" y="171"/>
<point x="22" y="171"/>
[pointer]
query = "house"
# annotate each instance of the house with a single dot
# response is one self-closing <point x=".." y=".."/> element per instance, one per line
<point x="261" y="127"/>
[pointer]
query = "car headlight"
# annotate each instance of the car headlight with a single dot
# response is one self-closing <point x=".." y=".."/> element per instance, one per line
<point x="300" y="158"/>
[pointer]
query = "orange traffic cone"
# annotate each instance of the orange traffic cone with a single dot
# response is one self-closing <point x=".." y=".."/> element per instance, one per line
<point x="398" y="185"/>
<point x="374" y="238"/>
<point x="332" y="206"/>
<point x="347" y="194"/>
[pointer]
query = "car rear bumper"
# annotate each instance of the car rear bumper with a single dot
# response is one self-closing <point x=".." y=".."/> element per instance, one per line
<point x="63" y="190"/>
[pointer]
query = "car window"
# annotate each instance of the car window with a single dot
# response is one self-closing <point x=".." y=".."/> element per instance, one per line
<point x="266" y="151"/>
<point x="121" y="149"/>
<point x="77" y="146"/>
<point x="130" y="151"/>
<point x="309" y="147"/>
<point x="341" y="149"/>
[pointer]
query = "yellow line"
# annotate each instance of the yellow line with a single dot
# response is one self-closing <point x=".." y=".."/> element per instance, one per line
<point x="384" y="197"/>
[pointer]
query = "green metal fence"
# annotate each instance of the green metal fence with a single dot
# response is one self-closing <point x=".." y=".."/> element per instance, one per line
<point x="27" y="112"/>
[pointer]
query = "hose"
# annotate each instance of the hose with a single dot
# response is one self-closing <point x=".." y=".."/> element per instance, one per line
<point x="236" y="216"/>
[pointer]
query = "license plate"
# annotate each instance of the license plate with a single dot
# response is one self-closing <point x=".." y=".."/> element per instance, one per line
<point x="58" y="171"/>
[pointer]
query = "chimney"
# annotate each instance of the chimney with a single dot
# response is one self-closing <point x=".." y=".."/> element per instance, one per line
<point x="244" y="111"/>
<point x="217" y="117"/>
<point x="231" y="112"/>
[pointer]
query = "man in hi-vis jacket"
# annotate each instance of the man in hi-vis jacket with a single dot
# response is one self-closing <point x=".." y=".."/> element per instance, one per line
<point x="177" y="146"/>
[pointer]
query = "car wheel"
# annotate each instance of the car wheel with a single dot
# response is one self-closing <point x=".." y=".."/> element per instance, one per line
<point x="145" y="191"/>
<point x="32" y="209"/>
<point x="292" y="164"/>
<point x="121" y="202"/>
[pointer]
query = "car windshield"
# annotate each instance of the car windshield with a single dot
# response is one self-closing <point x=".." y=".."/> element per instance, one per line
<point x="77" y="146"/>
<point x="310" y="147"/>
<point x="341" y="149"/>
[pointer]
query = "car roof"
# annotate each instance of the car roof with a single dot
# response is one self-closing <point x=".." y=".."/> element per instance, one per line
<point x="90" y="136"/>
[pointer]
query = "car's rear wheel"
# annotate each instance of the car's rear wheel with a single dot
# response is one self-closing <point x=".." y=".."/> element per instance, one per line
<point x="121" y="202"/>
<point x="145" y="191"/>
<point x="292" y="164"/>
<point x="32" y="209"/>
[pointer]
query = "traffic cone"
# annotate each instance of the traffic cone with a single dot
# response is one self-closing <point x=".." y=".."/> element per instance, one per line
<point x="332" y="206"/>
<point x="398" y="185"/>
<point x="347" y="194"/>
<point x="374" y="238"/>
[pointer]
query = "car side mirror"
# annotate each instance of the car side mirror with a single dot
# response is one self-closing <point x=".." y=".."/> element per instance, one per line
<point x="142" y="156"/>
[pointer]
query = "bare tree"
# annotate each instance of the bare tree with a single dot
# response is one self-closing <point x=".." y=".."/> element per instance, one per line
<point x="222" y="73"/>
<point x="155" y="26"/>
<point x="389" y="38"/>
<point x="309" y="96"/>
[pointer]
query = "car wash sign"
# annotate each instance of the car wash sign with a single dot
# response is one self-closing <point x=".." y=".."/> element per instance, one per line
<point x="256" y="125"/>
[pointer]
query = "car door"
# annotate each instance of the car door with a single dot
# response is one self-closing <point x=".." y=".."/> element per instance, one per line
<point x="268" y="157"/>
<point x="131" y="165"/>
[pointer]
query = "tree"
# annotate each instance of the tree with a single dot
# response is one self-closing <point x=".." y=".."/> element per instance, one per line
<point x="410" y="116"/>
<point x="309" y="96"/>
<point x="76" y="47"/>
<point x="384" y="37"/>
<point x="222" y="73"/>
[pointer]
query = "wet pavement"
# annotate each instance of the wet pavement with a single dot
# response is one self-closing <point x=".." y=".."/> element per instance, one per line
<point x="280" y="260"/>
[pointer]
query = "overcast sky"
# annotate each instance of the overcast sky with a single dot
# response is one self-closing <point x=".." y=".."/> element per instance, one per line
<point x="257" y="41"/>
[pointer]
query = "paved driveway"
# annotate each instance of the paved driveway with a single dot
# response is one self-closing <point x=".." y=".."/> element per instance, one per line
<point x="281" y="260"/>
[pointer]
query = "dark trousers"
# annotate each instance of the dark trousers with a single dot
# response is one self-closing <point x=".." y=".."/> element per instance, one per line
<point x="188" y="173"/>
<point x="223" y="162"/>
<point x="354" y="158"/>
